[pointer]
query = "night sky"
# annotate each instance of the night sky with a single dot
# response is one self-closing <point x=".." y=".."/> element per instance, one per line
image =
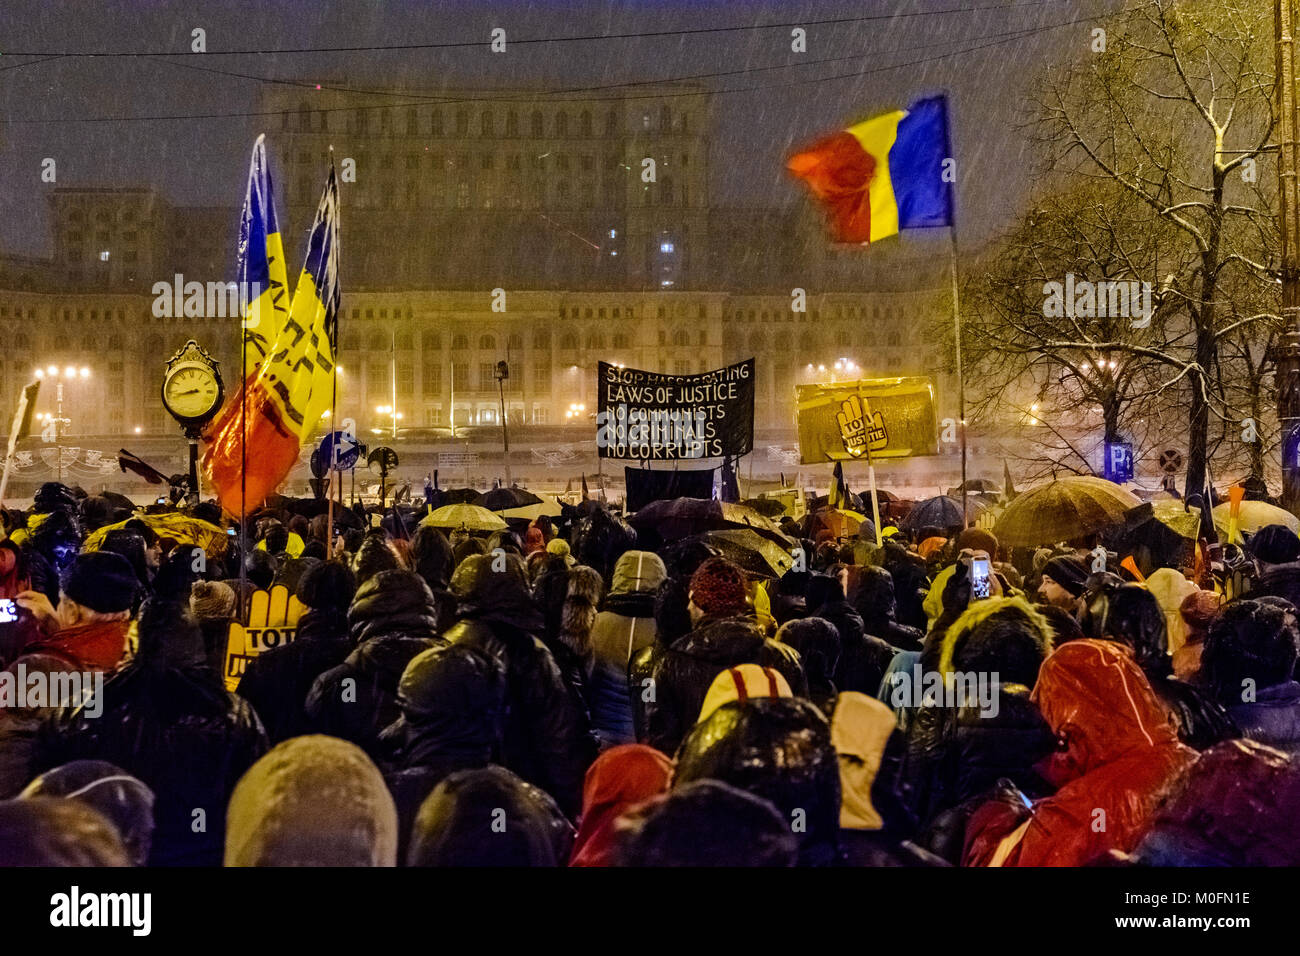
<point x="72" y="108"/>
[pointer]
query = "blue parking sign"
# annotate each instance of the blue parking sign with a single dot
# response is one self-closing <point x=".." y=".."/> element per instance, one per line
<point x="1118" y="464"/>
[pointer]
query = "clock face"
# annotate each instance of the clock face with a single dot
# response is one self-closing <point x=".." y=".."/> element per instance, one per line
<point x="191" y="391"/>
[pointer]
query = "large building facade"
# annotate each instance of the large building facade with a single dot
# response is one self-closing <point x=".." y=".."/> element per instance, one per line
<point x="552" y="232"/>
<point x="432" y="354"/>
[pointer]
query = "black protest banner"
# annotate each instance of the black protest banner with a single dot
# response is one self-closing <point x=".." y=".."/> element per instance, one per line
<point x="650" y="416"/>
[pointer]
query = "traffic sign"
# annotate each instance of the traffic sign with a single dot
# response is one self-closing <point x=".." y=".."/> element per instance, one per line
<point x="339" y="450"/>
<point x="1118" y="465"/>
<point x="1171" y="461"/>
<point x="383" y="458"/>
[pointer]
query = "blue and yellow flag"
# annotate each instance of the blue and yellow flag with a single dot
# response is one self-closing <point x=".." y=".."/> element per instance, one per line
<point x="299" y="371"/>
<point x="294" y="379"/>
<point x="263" y="279"/>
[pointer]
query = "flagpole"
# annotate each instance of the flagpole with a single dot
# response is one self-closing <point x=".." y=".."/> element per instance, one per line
<point x="335" y="474"/>
<point x="18" y="429"/>
<point x="334" y="371"/>
<point x="871" y="474"/>
<point x="961" y="375"/>
<point x="4" y="481"/>
<point x="243" y="468"/>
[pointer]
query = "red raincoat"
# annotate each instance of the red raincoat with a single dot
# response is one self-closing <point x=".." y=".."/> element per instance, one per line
<point x="1121" y="752"/>
<point x="619" y="779"/>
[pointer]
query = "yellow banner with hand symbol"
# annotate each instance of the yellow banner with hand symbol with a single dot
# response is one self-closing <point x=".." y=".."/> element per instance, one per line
<point x="888" y="418"/>
<point x="272" y="622"/>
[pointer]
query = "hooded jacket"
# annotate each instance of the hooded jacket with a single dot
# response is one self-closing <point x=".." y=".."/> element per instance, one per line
<point x="121" y="798"/>
<point x="863" y="658"/>
<point x="778" y="748"/>
<point x="456" y="825"/>
<point x="1239" y="805"/>
<point x="686" y="670"/>
<point x="431" y="559"/>
<point x="956" y="754"/>
<point x="861" y="729"/>
<point x="392" y="618"/>
<point x="871" y="594"/>
<point x="311" y="801"/>
<point x="168" y="721"/>
<point x="620" y="778"/>
<point x="277" y="681"/>
<point x="1120" y="753"/>
<point x="453" y="702"/>
<point x="1272" y="718"/>
<point x="624" y="626"/>
<point x="547" y="739"/>
<point x="1171" y="589"/>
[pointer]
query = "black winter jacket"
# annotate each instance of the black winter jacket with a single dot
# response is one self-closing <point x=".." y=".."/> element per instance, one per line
<point x="179" y="732"/>
<point x="547" y="740"/>
<point x="863" y="658"/>
<point x="956" y="754"/>
<point x="277" y="682"/>
<point x="392" y="618"/>
<point x="683" y="672"/>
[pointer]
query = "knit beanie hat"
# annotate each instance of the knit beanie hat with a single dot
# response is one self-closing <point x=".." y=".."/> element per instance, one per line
<point x="212" y="600"/>
<point x="1274" y="544"/>
<point x="1069" y="572"/>
<point x="718" y="588"/>
<point x="102" y="581"/>
<point x="1198" y="610"/>
<point x="329" y="585"/>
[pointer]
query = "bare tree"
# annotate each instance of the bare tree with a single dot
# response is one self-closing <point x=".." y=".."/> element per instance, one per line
<point x="1177" y="111"/>
<point x="1064" y="381"/>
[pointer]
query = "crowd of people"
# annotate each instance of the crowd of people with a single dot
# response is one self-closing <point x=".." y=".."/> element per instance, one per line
<point x="574" y="692"/>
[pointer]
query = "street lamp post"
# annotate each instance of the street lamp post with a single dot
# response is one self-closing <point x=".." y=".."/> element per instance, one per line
<point x="394" y="416"/>
<point x="58" y="422"/>
<point x="503" y="373"/>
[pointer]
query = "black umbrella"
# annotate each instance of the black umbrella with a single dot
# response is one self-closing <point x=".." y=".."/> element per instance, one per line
<point x="749" y="550"/>
<point x="940" y="512"/>
<point x="460" y="496"/>
<point x="682" y="517"/>
<point x="767" y="507"/>
<point x="503" y="499"/>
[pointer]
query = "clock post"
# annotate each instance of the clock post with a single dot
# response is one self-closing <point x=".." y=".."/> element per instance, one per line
<point x="192" y="392"/>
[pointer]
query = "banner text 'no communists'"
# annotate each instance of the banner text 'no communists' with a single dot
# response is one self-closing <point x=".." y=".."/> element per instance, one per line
<point x="649" y="416"/>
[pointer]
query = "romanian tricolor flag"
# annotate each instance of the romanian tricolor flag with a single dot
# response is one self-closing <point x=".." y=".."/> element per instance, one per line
<point x="884" y="174"/>
<point x="294" y="382"/>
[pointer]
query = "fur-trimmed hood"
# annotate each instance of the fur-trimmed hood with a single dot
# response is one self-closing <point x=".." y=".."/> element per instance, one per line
<point x="1035" y="623"/>
<point x="578" y="614"/>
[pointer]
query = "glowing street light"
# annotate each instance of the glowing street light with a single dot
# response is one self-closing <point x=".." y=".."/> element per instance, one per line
<point x="69" y="373"/>
<point x="392" y="414"/>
